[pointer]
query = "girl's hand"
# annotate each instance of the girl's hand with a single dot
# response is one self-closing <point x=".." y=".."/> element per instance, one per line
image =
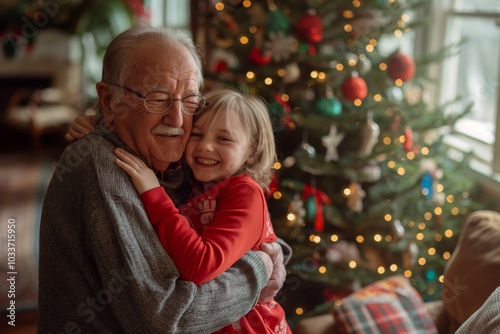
<point x="141" y="175"/>
<point x="81" y="126"/>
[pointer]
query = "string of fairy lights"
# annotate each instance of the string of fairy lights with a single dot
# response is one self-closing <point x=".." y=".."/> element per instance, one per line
<point x="320" y="76"/>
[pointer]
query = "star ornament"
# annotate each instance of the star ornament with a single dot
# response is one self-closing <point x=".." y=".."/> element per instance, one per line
<point x="355" y="199"/>
<point x="331" y="142"/>
<point x="281" y="46"/>
<point x="296" y="207"/>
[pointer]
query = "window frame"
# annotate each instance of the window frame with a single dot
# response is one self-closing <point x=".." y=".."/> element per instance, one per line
<point x="431" y="39"/>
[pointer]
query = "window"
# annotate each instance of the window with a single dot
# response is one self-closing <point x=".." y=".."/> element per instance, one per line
<point x="171" y="13"/>
<point x="474" y="74"/>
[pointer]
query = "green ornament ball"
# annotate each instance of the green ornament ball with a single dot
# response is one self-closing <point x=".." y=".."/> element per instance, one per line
<point x="311" y="209"/>
<point x="329" y="106"/>
<point x="276" y="109"/>
<point x="430" y="275"/>
<point x="277" y="21"/>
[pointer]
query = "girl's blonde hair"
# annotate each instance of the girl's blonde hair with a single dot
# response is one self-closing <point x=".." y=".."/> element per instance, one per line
<point x="253" y="113"/>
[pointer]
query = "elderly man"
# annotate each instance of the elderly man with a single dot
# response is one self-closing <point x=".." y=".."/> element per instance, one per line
<point x="102" y="268"/>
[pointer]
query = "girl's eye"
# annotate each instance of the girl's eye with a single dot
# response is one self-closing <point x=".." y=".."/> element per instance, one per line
<point x="194" y="134"/>
<point x="224" y="139"/>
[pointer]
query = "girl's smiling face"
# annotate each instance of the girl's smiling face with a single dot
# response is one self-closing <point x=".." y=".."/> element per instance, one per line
<point x="219" y="146"/>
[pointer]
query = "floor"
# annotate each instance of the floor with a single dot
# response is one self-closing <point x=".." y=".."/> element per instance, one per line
<point x="15" y="144"/>
<point x="25" y="323"/>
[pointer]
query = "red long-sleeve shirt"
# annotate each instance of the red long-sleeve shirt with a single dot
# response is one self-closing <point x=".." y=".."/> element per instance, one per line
<point x="229" y="219"/>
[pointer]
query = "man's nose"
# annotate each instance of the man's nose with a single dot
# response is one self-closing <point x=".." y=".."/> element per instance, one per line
<point x="174" y="115"/>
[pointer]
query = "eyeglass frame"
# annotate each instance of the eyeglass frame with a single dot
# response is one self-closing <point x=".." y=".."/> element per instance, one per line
<point x="144" y="99"/>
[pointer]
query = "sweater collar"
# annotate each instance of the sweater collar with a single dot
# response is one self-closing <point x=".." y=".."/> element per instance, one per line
<point x="174" y="179"/>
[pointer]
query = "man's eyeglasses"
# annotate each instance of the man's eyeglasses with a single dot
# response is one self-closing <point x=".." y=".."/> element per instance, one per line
<point x="159" y="102"/>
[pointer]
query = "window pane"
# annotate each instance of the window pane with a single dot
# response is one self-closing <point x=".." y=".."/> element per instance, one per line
<point x="478" y="5"/>
<point x="474" y="74"/>
<point x="177" y="13"/>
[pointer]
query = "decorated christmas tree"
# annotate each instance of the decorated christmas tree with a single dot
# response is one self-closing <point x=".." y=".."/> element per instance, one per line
<point x="364" y="187"/>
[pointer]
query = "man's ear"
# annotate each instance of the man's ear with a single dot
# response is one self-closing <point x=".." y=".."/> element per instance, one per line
<point x="105" y="101"/>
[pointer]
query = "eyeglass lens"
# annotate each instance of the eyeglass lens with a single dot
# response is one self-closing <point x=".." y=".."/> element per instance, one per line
<point x="160" y="102"/>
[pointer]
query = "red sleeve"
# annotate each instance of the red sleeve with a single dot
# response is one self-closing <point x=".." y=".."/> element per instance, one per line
<point x="158" y="206"/>
<point x="237" y="227"/>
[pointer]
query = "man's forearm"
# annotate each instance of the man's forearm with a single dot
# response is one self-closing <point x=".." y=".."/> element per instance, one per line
<point x="241" y="285"/>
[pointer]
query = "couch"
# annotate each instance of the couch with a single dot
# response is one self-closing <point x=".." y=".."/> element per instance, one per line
<point x="470" y="277"/>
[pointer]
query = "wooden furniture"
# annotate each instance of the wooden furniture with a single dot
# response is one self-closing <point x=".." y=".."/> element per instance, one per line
<point x="45" y="111"/>
<point x="40" y="96"/>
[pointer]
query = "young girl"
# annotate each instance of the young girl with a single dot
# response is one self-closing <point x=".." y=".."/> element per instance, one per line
<point x="230" y="152"/>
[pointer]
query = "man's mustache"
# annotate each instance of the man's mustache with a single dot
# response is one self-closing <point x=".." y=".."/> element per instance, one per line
<point x="165" y="130"/>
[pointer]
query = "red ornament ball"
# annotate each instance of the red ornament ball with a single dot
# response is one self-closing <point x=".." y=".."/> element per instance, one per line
<point x="354" y="88"/>
<point x="257" y="57"/>
<point x="401" y="66"/>
<point x="221" y="67"/>
<point x="309" y="28"/>
<point x="273" y="185"/>
<point x="408" y="144"/>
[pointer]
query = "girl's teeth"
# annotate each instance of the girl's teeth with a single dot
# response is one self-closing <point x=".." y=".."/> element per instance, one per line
<point x="207" y="161"/>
